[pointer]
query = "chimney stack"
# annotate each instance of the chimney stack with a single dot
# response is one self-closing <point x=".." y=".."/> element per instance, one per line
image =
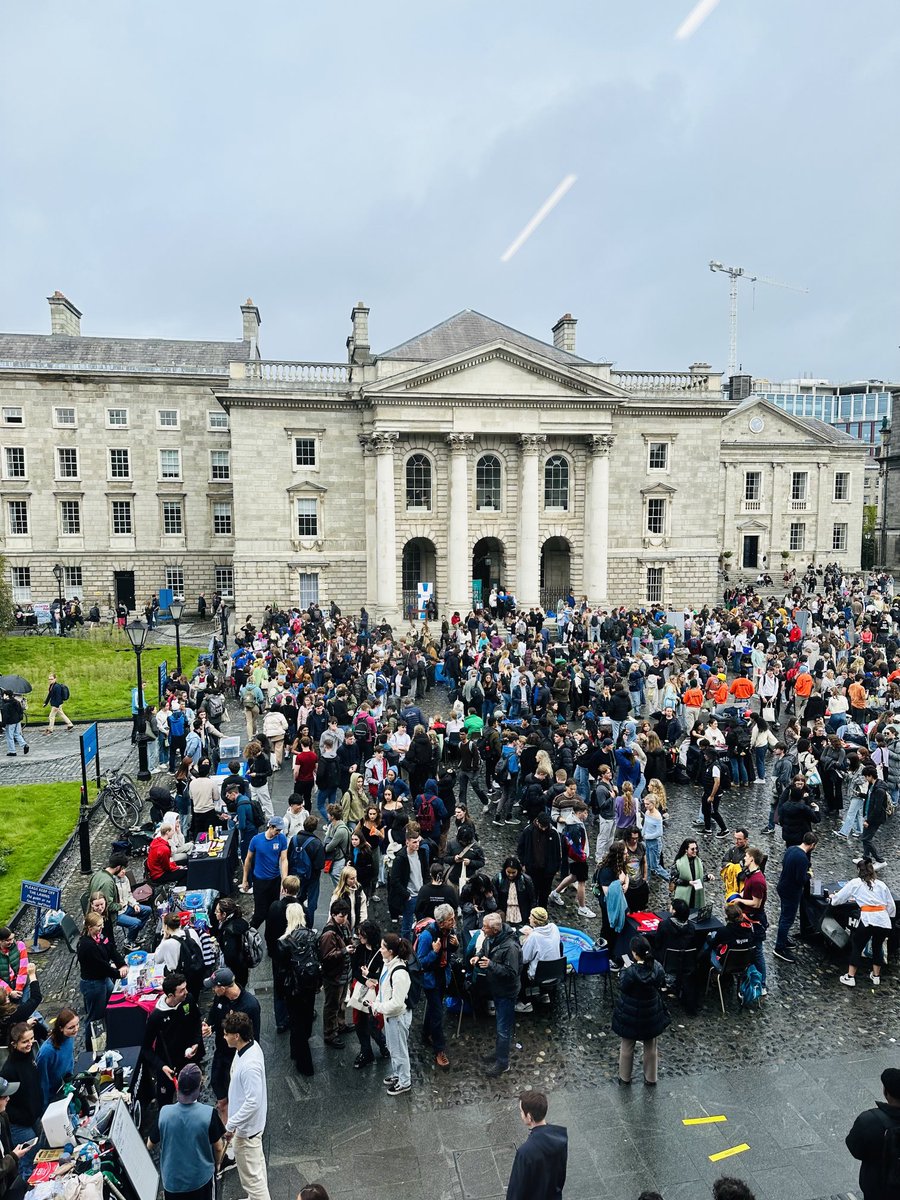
<point x="564" y="333"/>
<point x="65" y="319"/>
<point x="251" y="324"/>
<point x="358" y="348"/>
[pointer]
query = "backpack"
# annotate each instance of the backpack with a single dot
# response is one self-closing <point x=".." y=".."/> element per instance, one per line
<point x="414" y="970"/>
<point x="750" y="987"/>
<point x="501" y="770"/>
<point x="251" y="947"/>
<point x="299" y="861"/>
<point x="305" y="968"/>
<point x="190" y="958"/>
<point x="214" y="705"/>
<point x="725" y="776"/>
<point x="65" y="692"/>
<point x="257" y="816"/>
<point x="576" y="841"/>
<point x="890" y="1162"/>
<point x="426" y="816"/>
<point x="361" y="729"/>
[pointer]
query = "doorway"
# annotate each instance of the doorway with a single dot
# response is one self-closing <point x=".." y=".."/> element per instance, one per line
<point x="488" y="565"/>
<point x="123" y="584"/>
<point x="750" y="558"/>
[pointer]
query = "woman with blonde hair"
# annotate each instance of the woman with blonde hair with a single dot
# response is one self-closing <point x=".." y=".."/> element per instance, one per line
<point x="544" y="764"/>
<point x="348" y="888"/>
<point x="657" y="787"/>
<point x="259" y="768"/>
<point x="296" y="947"/>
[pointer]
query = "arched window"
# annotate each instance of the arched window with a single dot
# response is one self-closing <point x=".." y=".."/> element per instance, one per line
<point x="418" y="482"/>
<point x="487" y="483"/>
<point x="556" y="483"/>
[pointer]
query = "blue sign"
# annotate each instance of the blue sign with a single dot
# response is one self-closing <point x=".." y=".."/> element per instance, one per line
<point x="40" y="895"/>
<point x="166" y="596"/>
<point x="161" y="679"/>
<point x="89" y="744"/>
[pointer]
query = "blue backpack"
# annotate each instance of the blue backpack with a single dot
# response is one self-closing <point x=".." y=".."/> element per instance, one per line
<point x="751" y="986"/>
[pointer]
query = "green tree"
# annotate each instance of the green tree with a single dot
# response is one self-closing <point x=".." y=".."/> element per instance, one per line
<point x="867" y="552"/>
<point x="6" y="600"/>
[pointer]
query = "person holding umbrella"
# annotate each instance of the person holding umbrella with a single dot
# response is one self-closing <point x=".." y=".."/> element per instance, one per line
<point x="11" y="714"/>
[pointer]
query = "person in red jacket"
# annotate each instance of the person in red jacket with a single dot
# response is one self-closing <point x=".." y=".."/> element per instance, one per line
<point x="161" y="866"/>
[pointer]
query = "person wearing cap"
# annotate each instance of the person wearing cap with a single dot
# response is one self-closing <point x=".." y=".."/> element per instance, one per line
<point x="540" y="943"/>
<point x="191" y="1141"/>
<point x="267" y="858"/>
<point x="875" y="1141"/>
<point x="228" y="997"/>
<point x="12" y="1185"/>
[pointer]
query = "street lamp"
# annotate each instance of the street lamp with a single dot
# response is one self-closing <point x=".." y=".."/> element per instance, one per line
<point x="137" y="635"/>
<point x="176" y="612"/>
<point x="58" y="576"/>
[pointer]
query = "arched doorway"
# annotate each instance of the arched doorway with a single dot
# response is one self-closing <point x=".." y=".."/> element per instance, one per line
<point x="488" y="568"/>
<point x="419" y="566"/>
<point x="556" y="572"/>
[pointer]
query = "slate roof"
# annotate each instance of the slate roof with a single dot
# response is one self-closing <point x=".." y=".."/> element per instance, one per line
<point x="837" y="437"/>
<point x="136" y="354"/>
<point x="466" y="331"/>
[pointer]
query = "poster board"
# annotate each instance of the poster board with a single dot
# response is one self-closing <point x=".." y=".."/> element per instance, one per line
<point x="136" y="1162"/>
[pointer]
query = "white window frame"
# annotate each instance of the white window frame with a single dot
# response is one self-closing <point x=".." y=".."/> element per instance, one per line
<point x="666" y="467"/>
<point x="308" y="588"/>
<point x="499" y="505"/>
<point x="658" y="584"/>
<point x="664" y="513"/>
<point x="305" y="437"/>
<point x="21" y="591"/>
<point x="175" y="581"/>
<point x="73" y="580"/>
<point x="13" y="414"/>
<point x="109" y="461"/>
<point x="837" y="528"/>
<point x="793" y="527"/>
<point x="112" y="518"/>
<point x="58" y="423"/>
<point x="225" y="590"/>
<point x="221" y="417"/>
<point x="219" y="478"/>
<point x="174" y="412"/>
<point x="67" y="450"/>
<point x="63" y="532"/>
<point x="16" y="533"/>
<point x="177" y="504"/>
<point x="6" y="471"/>
<point x="570" y="483"/>
<point x="836" y="499"/>
<point x="801" y="493"/>
<point x="426" y="458"/>
<point x="110" y="424"/>
<point x="214" y="516"/>
<point x="316" y="514"/>
<point x="169" y="450"/>
<point x="759" y="480"/>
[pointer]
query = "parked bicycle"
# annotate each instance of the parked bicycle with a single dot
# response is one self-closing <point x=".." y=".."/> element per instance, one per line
<point x="121" y="800"/>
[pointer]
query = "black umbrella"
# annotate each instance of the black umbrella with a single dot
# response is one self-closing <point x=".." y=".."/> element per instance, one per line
<point x="15" y="684"/>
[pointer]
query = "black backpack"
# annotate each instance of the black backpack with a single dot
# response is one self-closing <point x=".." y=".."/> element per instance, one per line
<point x="413" y="968"/>
<point x="890" y="1161"/>
<point x="305" y="968"/>
<point x="361" y="730"/>
<point x="190" y="959"/>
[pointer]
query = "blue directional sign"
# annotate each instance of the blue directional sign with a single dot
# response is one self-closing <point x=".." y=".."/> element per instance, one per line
<point x="89" y="744"/>
<point x="40" y="895"/>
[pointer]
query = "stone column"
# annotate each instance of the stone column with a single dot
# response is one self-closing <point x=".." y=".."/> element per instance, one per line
<point x="778" y="537"/>
<point x="385" y="525"/>
<point x="730" y="538"/>
<point x="824" y="511"/>
<point x="596" y="519"/>
<point x="459" y="568"/>
<point x="528" y="550"/>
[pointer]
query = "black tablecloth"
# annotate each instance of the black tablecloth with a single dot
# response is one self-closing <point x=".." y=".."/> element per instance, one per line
<point x="216" y="873"/>
<point x="125" y="1025"/>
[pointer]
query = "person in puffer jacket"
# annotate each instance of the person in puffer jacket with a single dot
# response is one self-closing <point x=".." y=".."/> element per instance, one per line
<point x="541" y="941"/>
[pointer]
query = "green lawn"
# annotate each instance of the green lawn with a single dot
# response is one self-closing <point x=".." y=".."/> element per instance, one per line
<point x="34" y="823"/>
<point x="99" y="673"/>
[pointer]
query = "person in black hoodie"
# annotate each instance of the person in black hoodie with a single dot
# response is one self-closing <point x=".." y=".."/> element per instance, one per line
<point x="173" y="1036"/>
<point x="540" y="851"/>
<point x="868" y="1141"/>
<point x="796" y="811"/>
<point x="26" y="1106"/>
<point x="640" y="1014"/>
<point x="539" y="1168"/>
<point x="100" y="964"/>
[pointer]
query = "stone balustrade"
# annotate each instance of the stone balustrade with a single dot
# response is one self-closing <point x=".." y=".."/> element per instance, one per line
<point x="662" y="383"/>
<point x="318" y="376"/>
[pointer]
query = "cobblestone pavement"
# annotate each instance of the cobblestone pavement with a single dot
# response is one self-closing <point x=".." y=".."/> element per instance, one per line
<point x="57" y="758"/>
<point x="790" y="1077"/>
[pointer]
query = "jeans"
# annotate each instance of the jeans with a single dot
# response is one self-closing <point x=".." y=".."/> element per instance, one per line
<point x="262" y="795"/>
<point x="95" y="993"/>
<point x="505" y="1011"/>
<point x="396" y="1034"/>
<point x="433" y="1020"/>
<point x="465" y="778"/>
<point x="14" y="738"/>
<point x="738" y="770"/>
<point x="324" y="797"/>
<point x="853" y="821"/>
<point x="583" y="780"/>
<point x="760" y="754"/>
<point x="407" y="919"/>
<point x="132" y="922"/>
<point x="279" y="1006"/>
<point x="311" y="901"/>
<point x="868" y="843"/>
<point x="654" y="849"/>
<point x="789" y="907"/>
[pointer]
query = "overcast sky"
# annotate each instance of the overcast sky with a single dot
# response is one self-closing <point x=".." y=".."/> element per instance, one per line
<point x="161" y="162"/>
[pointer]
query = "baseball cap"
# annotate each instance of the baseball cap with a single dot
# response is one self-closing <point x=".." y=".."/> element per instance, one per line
<point x="7" y="1088"/>
<point x="224" y="977"/>
<point x="276" y="822"/>
<point x="189" y="1082"/>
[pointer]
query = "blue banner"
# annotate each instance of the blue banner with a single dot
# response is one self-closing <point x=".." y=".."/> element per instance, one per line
<point x="161" y="680"/>
<point x="89" y="747"/>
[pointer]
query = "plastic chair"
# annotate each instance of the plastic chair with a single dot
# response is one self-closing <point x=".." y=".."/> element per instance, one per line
<point x="734" y="964"/>
<point x="593" y="962"/>
<point x="549" y="975"/>
<point x="70" y="934"/>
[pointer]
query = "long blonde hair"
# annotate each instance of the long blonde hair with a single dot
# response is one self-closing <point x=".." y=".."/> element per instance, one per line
<point x="659" y="793"/>
<point x="342" y="889"/>
<point x="543" y="763"/>
<point x="295" y="918"/>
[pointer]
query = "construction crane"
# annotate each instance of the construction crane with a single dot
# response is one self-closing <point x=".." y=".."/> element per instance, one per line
<point x="734" y="274"/>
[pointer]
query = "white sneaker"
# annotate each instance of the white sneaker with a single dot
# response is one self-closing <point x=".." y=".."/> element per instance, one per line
<point x="556" y="898"/>
<point x="522" y="1007"/>
<point x="584" y="911"/>
<point x="876" y="979"/>
<point x="848" y="981"/>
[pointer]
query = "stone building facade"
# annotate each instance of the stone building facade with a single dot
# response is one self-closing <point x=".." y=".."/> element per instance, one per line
<point x="471" y="454"/>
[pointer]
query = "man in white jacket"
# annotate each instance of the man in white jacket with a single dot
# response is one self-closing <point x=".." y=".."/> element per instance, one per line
<point x="247" y="1105"/>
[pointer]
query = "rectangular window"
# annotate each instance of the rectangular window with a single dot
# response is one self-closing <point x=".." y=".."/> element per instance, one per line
<point x="222" y="518"/>
<point x="172" y="517"/>
<point x="225" y="581"/>
<point x="656" y="515"/>
<point x="121" y="516"/>
<point x="309" y="589"/>
<point x="304" y="452"/>
<point x="70" y="517"/>
<point x="64" y="416"/>
<point x="66" y="462"/>
<point x="13" y="416"/>
<point x="175" y="581"/>
<point x="798" y="485"/>
<point x="220" y="464"/>
<point x="170" y="464"/>
<point x="307" y="519"/>
<point x="797" y="536"/>
<point x="21" y="585"/>
<point x="658" y="456"/>
<point x="74" y="579"/>
<point x="14" y="462"/>
<point x="752" y="485"/>
<point x="839" y="536"/>
<point x="167" y="418"/>
<point x="216" y="419"/>
<point x="117" y="418"/>
<point x="18" y="516"/>
<point x="120" y="464"/>
<point x="654" y="585"/>
<point x="841" y="486"/>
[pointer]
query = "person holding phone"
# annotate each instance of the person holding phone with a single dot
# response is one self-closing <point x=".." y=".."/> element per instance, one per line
<point x="26" y="1104"/>
<point x="12" y="1185"/>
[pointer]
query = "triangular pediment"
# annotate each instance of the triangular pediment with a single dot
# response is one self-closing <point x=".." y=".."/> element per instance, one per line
<point x="759" y="422"/>
<point x="306" y="485"/>
<point x="496" y="369"/>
